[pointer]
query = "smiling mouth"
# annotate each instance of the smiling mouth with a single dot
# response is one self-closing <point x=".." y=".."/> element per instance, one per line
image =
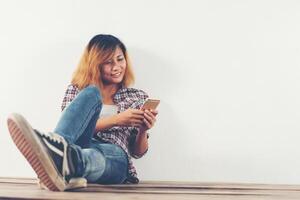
<point x="116" y="74"/>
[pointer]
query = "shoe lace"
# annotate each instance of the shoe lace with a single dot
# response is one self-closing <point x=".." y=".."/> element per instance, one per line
<point x="54" y="137"/>
<point x="51" y="136"/>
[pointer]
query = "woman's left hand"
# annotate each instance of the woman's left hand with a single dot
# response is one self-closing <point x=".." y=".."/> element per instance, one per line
<point x="149" y="120"/>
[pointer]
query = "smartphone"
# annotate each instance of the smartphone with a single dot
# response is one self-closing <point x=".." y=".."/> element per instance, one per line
<point x="150" y="104"/>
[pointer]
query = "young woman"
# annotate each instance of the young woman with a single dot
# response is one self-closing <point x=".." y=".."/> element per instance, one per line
<point x="101" y="126"/>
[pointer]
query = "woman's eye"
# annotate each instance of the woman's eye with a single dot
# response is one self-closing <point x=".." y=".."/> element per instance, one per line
<point x="120" y="59"/>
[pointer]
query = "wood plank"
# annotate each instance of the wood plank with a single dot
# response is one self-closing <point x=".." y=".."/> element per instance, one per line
<point x="26" y="188"/>
<point x="172" y="184"/>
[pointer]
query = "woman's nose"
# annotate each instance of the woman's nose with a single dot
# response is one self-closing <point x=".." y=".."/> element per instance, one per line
<point x="114" y="66"/>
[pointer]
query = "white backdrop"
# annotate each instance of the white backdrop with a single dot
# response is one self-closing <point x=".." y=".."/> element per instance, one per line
<point x="227" y="73"/>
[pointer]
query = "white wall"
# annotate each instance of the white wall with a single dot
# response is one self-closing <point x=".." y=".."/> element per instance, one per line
<point x="227" y="73"/>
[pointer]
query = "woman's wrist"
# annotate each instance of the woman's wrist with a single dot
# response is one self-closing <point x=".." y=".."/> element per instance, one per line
<point x="115" y="120"/>
<point x="143" y="133"/>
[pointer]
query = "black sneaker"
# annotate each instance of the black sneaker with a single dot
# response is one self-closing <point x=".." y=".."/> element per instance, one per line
<point x="48" y="153"/>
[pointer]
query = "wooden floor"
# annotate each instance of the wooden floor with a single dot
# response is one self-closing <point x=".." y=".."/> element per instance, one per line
<point x="25" y="188"/>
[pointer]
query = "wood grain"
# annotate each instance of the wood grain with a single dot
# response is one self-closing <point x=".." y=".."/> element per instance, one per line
<point x="27" y="188"/>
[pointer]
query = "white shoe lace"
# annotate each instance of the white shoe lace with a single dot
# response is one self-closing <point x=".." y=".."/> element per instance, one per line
<point x="54" y="137"/>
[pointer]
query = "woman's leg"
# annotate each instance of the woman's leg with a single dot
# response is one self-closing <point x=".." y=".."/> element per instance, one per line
<point x="77" y="122"/>
<point x="110" y="168"/>
<point x="57" y="159"/>
<point x="103" y="163"/>
<point x="97" y="162"/>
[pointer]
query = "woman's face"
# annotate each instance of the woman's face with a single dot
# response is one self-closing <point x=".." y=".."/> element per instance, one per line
<point x="113" y="70"/>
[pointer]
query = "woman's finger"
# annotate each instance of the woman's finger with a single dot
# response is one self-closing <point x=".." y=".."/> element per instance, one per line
<point x="137" y="121"/>
<point x="137" y="111"/>
<point x="147" y="123"/>
<point x="150" y="113"/>
<point x="138" y="116"/>
<point x="150" y="116"/>
<point x="150" y="120"/>
<point x="154" y="112"/>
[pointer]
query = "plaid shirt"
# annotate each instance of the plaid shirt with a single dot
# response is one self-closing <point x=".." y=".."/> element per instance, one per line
<point x="124" y="136"/>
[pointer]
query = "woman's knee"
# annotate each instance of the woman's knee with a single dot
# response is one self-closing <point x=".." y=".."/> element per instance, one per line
<point x="92" y="91"/>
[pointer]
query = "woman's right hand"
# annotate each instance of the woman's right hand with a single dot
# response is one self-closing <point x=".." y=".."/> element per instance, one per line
<point x="130" y="117"/>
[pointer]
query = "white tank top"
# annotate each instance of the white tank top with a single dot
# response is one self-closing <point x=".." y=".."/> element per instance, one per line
<point x="108" y="110"/>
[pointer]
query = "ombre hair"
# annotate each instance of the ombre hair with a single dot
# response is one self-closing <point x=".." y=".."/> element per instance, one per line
<point x="98" y="51"/>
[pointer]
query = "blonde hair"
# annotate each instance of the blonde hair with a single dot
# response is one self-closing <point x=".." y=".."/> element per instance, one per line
<point x="99" y="50"/>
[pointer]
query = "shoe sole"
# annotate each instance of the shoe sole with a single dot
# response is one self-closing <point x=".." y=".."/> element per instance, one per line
<point x="74" y="183"/>
<point x="36" y="154"/>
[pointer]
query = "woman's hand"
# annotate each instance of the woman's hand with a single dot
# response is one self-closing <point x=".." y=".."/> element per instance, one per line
<point x="130" y="117"/>
<point x="149" y="120"/>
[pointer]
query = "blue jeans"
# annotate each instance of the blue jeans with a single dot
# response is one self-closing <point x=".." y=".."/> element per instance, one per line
<point x="98" y="162"/>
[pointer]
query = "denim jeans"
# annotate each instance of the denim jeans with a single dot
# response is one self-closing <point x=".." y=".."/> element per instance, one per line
<point x="98" y="162"/>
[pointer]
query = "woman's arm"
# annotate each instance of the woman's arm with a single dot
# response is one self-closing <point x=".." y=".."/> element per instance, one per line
<point x="106" y="123"/>
<point x="130" y="117"/>
<point x="141" y="142"/>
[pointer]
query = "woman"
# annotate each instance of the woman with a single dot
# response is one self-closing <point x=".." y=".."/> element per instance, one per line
<point x="101" y="126"/>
